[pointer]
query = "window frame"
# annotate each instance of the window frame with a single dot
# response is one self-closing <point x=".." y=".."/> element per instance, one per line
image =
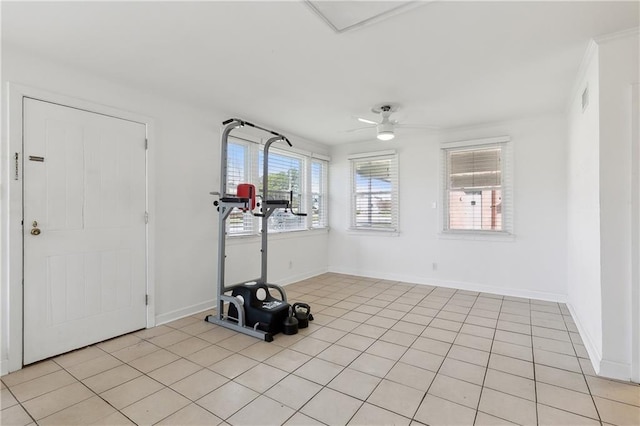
<point x="323" y="184"/>
<point x="506" y="187"/>
<point x="249" y="225"/>
<point x="394" y="226"/>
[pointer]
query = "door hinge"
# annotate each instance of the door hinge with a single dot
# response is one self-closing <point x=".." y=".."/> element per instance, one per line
<point x="146" y="217"/>
<point x="146" y="143"/>
<point x="17" y="175"/>
<point x="146" y="300"/>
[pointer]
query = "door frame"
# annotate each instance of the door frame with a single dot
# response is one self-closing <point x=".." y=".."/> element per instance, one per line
<point x="12" y="214"/>
<point x="635" y="233"/>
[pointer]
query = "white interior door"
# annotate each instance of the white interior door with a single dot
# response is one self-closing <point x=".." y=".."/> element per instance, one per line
<point x="84" y="228"/>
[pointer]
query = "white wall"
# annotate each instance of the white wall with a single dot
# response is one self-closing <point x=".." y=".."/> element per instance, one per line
<point x="600" y="217"/>
<point x="618" y="61"/>
<point x="185" y="147"/>
<point x="532" y="264"/>
<point x="583" y="207"/>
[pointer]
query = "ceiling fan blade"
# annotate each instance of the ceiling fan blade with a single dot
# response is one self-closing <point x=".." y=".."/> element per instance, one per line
<point x="417" y="126"/>
<point x="357" y="129"/>
<point x="366" y="120"/>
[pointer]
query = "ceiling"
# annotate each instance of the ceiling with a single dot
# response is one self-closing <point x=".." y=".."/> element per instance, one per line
<point x="278" y="64"/>
<point x="347" y="15"/>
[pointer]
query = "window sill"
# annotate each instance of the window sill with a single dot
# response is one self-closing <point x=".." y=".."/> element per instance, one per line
<point x="373" y="232"/>
<point x="477" y="236"/>
<point x="252" y="238"/>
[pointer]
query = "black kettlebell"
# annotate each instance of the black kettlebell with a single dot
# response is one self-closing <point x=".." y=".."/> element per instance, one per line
<point x="290" y="323"/>
<point x="303" y="314"/>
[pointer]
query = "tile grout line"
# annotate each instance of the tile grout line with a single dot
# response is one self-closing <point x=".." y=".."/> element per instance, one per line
<point x="145" y="374"/>
<point x="395" y="361"/>
<point x="593" y="400"/>
<point x="486" y="370"/>
<point x="19" y="404"/>
<point x="533" y="361"/>
<point x="440" y="367"/>
<point x="343" y="368"/>
<point x="87" y="387"/>
<point x="394" y="364"/>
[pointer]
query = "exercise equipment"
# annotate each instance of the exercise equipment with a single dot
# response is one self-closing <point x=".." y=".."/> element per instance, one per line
<point x="302" y="311"/>
<point x="290" y="325"/>
<point x="253" y="310"/>
<point x="259" y="307"/>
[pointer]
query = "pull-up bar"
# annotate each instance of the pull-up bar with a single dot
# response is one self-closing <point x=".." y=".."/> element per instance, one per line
<point x="246" y="123"/>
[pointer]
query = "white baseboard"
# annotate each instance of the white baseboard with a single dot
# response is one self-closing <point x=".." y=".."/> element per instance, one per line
<point x="513" y="292"/>
<point x="615" y="370"/>
<point x="185" y="312"/>
<point x="602" y="367"/>
<point x="595" y="356"/>
<point x="299" y="277"/>
<point x="210" y="304"/>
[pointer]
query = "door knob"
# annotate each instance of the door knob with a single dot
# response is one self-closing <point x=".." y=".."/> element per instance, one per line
<point x="35" y="230"/>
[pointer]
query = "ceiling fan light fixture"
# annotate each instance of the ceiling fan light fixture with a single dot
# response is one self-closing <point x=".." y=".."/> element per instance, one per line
<point x="385" y="131"/>
<point x="386" y="136"/>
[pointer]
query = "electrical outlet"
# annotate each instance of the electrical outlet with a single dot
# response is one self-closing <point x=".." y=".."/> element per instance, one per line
<point x="434" y="266"/>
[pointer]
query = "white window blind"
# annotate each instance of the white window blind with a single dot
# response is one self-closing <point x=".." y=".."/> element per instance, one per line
<point x="297" y="176"/>
<point x="318" y="193"/>
<point x="477" y="188"/>
<point x="374" y="183"/>
<point x="239" y="171"/>
<point x="285" y="182"/>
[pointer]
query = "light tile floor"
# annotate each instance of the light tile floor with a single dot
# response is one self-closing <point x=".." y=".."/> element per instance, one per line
<point x="378" y="352"/>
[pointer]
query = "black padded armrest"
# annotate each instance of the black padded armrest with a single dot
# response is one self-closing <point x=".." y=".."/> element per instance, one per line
<point x="234" y="200"/>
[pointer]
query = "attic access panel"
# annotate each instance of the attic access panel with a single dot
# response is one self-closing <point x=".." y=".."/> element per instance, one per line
<point x="343" y="16"/>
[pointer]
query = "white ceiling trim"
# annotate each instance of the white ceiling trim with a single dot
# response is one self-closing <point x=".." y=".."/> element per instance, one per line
<point x="349" y="15"/>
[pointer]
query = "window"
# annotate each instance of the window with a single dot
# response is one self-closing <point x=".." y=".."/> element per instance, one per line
<point x="292" y="175"/>
<point x="374" y="188"/>
<point x="318" y="191"/>
<point x="285" y="182"/>
<point x="477" y="186"/>
<point x="238" y="171"/>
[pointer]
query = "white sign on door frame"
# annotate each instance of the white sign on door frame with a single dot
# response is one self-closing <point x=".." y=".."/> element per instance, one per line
<point x="12" y="205"/>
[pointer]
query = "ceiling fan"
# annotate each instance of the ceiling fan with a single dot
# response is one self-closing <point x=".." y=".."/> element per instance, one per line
<point x="386" y="127"/>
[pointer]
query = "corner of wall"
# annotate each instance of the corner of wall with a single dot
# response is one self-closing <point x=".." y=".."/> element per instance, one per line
<point x="629" y="32"/>
<point x="602" y="366"/>
<point x="185" y="312"/>
<point x="595" y="356"/>
<point x="583" y="208"/>
<point x="459" y="285"/>
<point x="618" y="71"/>
<point x="615" y="370"/>
<point x="302" y="276"/>
<point x="589" y="53"/>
